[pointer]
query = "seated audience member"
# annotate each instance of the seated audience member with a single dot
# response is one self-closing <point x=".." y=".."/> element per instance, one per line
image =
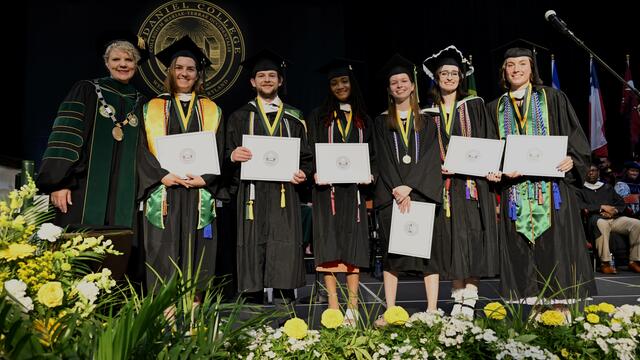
<point x="629" y="184"/>
<point x="604" y="207"/>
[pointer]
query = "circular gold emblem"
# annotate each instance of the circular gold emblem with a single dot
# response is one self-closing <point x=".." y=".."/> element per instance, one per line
<point x="210" y="27"/>
<point x="105" y="113"/>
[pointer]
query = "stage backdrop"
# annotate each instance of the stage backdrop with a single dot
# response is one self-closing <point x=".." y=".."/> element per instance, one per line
<point x="60" y="42"/>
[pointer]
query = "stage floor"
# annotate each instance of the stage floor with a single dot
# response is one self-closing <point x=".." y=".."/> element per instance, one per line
<point x="623" y="288"/>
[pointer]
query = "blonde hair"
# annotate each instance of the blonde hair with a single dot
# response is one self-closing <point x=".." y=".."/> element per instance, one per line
<point x="122" y="45"/>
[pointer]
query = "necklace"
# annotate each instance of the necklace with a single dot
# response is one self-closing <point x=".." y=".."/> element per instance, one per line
<point x="109" y="111"/>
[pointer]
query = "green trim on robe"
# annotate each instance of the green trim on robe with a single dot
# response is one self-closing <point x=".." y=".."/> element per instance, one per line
<point x="100" y="160"/>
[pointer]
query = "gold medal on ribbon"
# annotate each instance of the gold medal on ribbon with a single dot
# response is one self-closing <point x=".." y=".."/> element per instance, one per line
<point x="105" y="113"/>
<point x="406" y="159"/>
<point x="133" y="120"/>
<point x="117" y="133"/>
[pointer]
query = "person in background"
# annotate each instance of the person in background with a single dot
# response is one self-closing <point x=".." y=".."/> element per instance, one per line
<point x="605" y="208"/>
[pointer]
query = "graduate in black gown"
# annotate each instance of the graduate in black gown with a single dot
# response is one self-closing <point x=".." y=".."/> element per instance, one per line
<point x="89" y="165"/>
<point x="340" y="226"/>
<point x="409" y="170"/>
<point x="467" y="227"/>
<point x="180" y="210"/>
<point x="542" y="234"/>
<point x="269" y="225"/>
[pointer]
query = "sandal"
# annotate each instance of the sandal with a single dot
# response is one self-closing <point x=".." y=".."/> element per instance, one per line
<point x="380" y="322"/>
<point x="351" y="317"/>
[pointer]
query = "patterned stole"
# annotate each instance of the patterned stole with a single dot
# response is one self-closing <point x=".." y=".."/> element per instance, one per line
<point x="529" y="201"/>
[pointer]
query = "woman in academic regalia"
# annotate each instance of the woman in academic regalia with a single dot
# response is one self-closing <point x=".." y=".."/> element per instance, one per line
<point x="340" y="226"/>
<point x="89" y="165"/>
<point x="467" y="227"/>
<point x="180" y="209"/>
<point x="543" y="250"/>
<point x="409" y="166"/>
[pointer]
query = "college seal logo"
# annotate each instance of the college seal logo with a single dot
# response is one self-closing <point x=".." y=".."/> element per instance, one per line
<point x="210" y="27"/>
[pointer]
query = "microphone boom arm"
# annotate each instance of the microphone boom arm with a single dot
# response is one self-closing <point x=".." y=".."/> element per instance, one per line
<point x="581" y="43"/>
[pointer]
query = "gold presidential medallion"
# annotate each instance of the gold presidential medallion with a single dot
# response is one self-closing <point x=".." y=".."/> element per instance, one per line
<point x="117" y="133"/>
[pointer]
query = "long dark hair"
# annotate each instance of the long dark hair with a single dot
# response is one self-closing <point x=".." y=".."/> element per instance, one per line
<point x="331" y="105"/>
<point x="436" y="93"/>
<point x="534" y="78"/>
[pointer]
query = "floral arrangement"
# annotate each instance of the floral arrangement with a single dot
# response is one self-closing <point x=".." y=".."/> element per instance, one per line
<point x="602" y="331"/>
<point x="42" y="270"/>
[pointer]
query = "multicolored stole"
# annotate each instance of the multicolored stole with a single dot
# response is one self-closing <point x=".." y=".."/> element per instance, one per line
<point x="157" y="114"/>
<point x="529" y="201"/>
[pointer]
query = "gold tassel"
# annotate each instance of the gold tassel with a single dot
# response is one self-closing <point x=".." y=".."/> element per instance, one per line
<point x="250" y="210"/>
<point x="283" y="201"/>
<point x="165" y="206"/>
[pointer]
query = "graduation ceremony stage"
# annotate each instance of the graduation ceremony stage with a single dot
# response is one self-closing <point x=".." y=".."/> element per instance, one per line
<point x="620" y="289"/>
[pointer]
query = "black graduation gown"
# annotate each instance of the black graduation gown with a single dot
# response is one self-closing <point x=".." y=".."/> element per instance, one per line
<point x="560" y="253"/>
<point x="345" y="235"/>
<point x="424" y="178"/>
<point x="469" y="238"/>
<point x="180" y="236"/>
<point x="269" y="247"/>
<point x="83" y="156"/>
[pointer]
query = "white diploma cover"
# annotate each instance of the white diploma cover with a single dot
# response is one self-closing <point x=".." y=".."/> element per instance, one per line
<point x="412" y="232"/>
<point x="535" y="155"/>
<point x="190" y="153"/>
<point x="473" y="156"/>
<point x="343" y="163"/>
<point x="274" y="158"/>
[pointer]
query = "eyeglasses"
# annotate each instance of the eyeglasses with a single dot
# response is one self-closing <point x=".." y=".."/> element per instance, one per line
<point x="449" y="73"/>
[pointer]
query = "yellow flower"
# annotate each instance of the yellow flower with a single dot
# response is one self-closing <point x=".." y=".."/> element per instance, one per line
<point x="591" y="308"/>
<point x="17" y="251"/>
<point x="495" y="310"/>
<point x="332" y="318"/>
<point x="296" y="328"/>
<point x="593" y="318"/>
<point x="606" y="308"/>
<point x="564" y="353"/>
<point x="51" y="294"/>
<point x="396" y="315"/>
<point x="552" y="318"/>
<point x="65" y="267"/>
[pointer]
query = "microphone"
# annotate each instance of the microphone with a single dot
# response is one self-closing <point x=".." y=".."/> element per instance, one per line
<point x="551" y="17"/>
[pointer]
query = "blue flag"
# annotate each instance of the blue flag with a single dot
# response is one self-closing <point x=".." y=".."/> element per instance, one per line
<point x="555" y="81"/>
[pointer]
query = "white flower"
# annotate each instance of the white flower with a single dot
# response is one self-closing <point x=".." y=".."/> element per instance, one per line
<point x="88" y="290"/>
<point x="393" y="336"/>
<point x="270" y="354"/>
<point x="18" y="293"/>
<point x="49" y="232"/>
<point x="15" y="287"/>
<point x="603" y="345"/>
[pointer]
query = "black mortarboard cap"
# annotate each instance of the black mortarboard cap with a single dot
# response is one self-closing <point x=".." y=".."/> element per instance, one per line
<point x="264" y="60"/>
<point x="447" y="56"/>
<point x="137" y="41"/>
<point x="520" y="47"/>
<point x="338" y="67"/>
<point x="397" y="65"/>
<point x="183" y="47"/>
